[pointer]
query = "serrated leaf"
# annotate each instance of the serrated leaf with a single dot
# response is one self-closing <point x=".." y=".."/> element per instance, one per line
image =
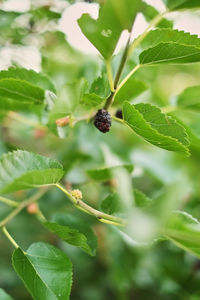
<point x="73" y="231"/>
<point x="170" y="53"/>
<point x="45" y="271"/>
<point x="22" y="89"/>
<point x="181" y="4"/>
<point x="114" y="17"/>
<point x="28" y="75"/>
<point x="155" y="127"/>
<point x="130" y="90"/>
<point x="150" y="13"/>
<point x="167" y="35"/>
<point x="107" y="173"/>
<point x="190" y="98"/>
<point x="111" y="204"/>
<point x="141" y="200"/>
<point x="184" y="231"/>
<point x="4" y="295"/>
<point x="19" y="95"/>
<point x="24" y="170"/>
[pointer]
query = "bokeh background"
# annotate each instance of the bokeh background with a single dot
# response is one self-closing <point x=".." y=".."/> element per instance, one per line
<point x="44" y="36"/>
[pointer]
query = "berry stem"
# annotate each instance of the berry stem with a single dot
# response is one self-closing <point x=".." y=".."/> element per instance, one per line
<point x="105" y="218"/>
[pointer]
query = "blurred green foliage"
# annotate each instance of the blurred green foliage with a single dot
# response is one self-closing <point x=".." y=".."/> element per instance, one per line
<point x="121" y="269"/>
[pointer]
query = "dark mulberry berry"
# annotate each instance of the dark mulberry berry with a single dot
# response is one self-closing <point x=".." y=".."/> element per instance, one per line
<point x="119" y="114"/>
<point x="102" y="120"/>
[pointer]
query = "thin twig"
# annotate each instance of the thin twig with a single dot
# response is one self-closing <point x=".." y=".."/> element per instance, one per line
<point x="9" y="201"/>
<point x="22" y="205"/>
<point x="9" y="237"/>
<point x="90" y="210"/>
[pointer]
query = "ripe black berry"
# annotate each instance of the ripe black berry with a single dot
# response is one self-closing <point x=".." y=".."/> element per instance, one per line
<point x="102" y="120"/>
<point x="119" y="114"/>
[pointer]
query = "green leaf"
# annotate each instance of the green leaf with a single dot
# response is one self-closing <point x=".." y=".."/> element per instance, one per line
<point x="155" y="127"/>
<point x="45" y="271"/>
<point x="22" y="89"/>
<point x="184" y="231"/>
<point x="73" y="231"/>
<point x="170" y="53"/>
<point x="181" y="4"/>
<point x="114" y="17"/>
<point x="141" y="200"/>
<point x="107" y="173"/>
<point x="101" y="86"/>
<point x="111" y="204"/>
<point x="92" y="100"/>
<point x="167" y="35"/>
<point x="97" y="94"/>
<point x="130" y="90"/>
<point x="36" y="79"/>
<point x="4" y="296"/>
<point x="190" y="98"/>
<point x="150" y="13"/>
<point x="24" y="170"/>
<point x="19" y="95"/>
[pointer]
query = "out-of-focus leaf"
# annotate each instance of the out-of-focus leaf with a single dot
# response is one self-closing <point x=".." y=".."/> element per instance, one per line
<point x="92" y="100"/>
<point x="190" y="98"/>
<point x="150" y="13"/>
<point x="182" y="4"/>
<point x="111" y="204"/>
<point x="141" y="200"/>
<point x="74" y="231"/>
<point x="45" y="271"/>
<point x="184" y="231"/>
<point x="24" y="170"/>
<point x="114" y="17"/>
<point x="107" y="173"/>
<point x="4" y="295"/>
<point x="130" y="90"/>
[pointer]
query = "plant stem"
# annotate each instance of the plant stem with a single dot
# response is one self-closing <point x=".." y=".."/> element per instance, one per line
<point x="9" y="201"/>
<point x="110" y="75"/>
<point x="90" y="210"/>
<point x="127" y="52"/>
<point x="5" y="231"/>
<point x="127" y="77"/>
<point x="22" y="205"/>
<point x="122" y="63"/>
<point x="153" y="23"/>
<point x="110" y="98"/>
